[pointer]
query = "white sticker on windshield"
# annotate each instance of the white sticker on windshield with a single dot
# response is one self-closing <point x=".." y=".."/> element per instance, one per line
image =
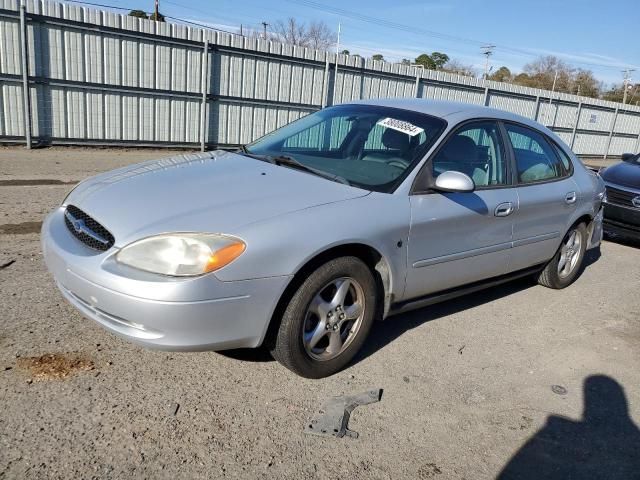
<point x="401" y="126"/>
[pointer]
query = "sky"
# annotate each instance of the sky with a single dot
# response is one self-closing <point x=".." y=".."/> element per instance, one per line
<point x="595" y="35"/>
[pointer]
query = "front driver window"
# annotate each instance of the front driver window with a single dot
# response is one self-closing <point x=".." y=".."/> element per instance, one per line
<point x="475" y="150"/>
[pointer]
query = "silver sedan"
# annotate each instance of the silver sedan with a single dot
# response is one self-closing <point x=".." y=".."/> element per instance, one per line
<point x="300" y="240"/>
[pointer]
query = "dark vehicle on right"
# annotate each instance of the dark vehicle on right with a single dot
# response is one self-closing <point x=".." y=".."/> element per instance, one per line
<point x="622" y="200"/>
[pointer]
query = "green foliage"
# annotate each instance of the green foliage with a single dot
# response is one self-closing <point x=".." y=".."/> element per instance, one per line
<point x="503" y="74"/>
<point x="439" y="59"/>
<point x="435" y="61"/>
<point x="138" y="14"/>
<point x="160" y="17"/>
<point x="345" y="52"/>
<point x="377" y="56"/>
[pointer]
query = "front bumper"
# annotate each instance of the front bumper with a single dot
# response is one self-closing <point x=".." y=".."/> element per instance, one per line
<point x="595" y="230"/>
<point x="202" y="313"/>
<point x="622" y="220"/>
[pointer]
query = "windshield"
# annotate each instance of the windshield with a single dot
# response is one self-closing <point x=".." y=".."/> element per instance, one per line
<point x="369" y="146"/>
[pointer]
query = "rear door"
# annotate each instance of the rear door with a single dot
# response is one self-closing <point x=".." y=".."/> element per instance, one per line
<point x="459" y="238"/>
<point x="547" y="195"/>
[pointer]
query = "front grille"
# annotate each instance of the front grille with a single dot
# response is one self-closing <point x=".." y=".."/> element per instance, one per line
<point x="616" y="196"/>
<point x="87" y="230"/>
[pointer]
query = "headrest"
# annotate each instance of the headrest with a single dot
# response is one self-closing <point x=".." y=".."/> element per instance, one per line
<point x="395" y="140"/>
<point x="460" y="149"/>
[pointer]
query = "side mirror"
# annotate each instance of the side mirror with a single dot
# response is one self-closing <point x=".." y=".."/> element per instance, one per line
<point x="627" y="156"/>
<point x="452" y="181"/>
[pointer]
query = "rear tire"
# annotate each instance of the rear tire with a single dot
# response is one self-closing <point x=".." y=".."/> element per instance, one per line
<point x="566" y="264"/>
<point x="327" y="319"/>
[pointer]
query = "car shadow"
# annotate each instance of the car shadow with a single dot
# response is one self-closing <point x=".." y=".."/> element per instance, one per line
<point x="387" y="331"/>
<point x="605" y="443"/>
<point x="383" y="333"/>
<point x="259" y="355"/>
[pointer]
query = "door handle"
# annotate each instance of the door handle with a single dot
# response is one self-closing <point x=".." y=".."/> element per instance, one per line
<point x="504" y="209"/>
<point x="570" y="198"/>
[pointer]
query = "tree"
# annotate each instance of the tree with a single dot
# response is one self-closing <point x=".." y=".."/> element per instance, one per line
<point x="586" y="84"/>
<point x="405" y="61"/>
<point x="378" y="57"/>
<point x="503" y="74"/>
<point x="316" y="34"/>
<point x="159" y="18"/>
<point x="439" y="59"/>
<point x="345" y="52"/>
<point x="454" y="66"/>
<point x="545" y="71"/>
<point x="616" y="93"/>
<point x="138" y="14"/>
<point x="435" y="61"/>
<point x="426" y="61"/>
<point x="542" y="73"/>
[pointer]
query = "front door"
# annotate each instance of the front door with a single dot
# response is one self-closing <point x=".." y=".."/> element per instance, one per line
<point x="459" y="238"/>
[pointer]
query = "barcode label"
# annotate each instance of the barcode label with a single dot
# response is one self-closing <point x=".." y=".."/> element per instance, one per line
<point x="401" y="126"/>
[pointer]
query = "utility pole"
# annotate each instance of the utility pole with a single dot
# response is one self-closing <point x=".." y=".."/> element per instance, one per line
<point x="264" y="30"/>
<point x="487" y="51"/>
<point x="553" y="89"/>
<point x="156" y="10"/>
<point x="335" y="71"/>
<point x="625" y="83"/>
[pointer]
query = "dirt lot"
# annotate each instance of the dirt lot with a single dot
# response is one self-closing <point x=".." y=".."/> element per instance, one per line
<point x="541" y="383"/>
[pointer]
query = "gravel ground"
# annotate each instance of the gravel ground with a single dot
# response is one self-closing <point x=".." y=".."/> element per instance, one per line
<point x="543" y="383"/>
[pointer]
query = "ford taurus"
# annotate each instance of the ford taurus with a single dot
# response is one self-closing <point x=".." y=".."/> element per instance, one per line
<point x="300" y="240"/>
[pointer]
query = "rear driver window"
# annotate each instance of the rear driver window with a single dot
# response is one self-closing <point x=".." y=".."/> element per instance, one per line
<point x="536" y="160"/>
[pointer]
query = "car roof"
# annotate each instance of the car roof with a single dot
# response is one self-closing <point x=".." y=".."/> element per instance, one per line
<point x="454" y="112"/>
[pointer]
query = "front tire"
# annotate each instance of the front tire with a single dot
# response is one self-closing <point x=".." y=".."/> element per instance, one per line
<point x="327" y="319"/>
<point x="566" y="264"/>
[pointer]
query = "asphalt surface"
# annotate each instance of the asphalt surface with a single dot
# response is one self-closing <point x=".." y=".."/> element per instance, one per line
<point x="519" y="379"/>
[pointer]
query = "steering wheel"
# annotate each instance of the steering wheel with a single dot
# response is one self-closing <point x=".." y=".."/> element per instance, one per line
<point x="397" y="163"/>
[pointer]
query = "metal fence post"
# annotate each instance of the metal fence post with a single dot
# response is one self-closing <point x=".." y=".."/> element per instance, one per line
<point x="206" y="80"/>
<point x="575" y="125"/>
<point x="26" y="96"/>
<point x="537" y="111"/>
<point x="419" y="71"/>
<point x="486" y="96"/>
<point x="335" y="81"/>
<point x="613" y="126"/>
<point x="325" y="82"/>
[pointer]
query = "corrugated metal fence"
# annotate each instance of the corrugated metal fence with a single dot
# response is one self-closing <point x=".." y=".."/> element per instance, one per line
<point x="97" y="77"/>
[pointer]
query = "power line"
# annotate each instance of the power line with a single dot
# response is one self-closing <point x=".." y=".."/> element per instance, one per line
<point x="430" y="33"/>
<point x="181" y="20"/>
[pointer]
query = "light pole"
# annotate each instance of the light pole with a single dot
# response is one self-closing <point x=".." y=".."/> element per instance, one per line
<point x="487" y="51"/>
<point x="625" y="83"/>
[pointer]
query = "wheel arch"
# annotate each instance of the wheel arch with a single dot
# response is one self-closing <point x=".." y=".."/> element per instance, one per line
<point x="377" y="263"/>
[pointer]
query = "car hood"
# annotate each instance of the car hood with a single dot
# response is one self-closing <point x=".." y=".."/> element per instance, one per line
<point x="624" y="174"/>
<point x="213" y="192"/>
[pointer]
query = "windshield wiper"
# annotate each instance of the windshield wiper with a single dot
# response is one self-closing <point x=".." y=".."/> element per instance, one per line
<point x="287" y="161"/>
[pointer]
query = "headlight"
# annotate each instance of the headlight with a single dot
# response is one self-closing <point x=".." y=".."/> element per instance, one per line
<point x="182" y="254"/>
